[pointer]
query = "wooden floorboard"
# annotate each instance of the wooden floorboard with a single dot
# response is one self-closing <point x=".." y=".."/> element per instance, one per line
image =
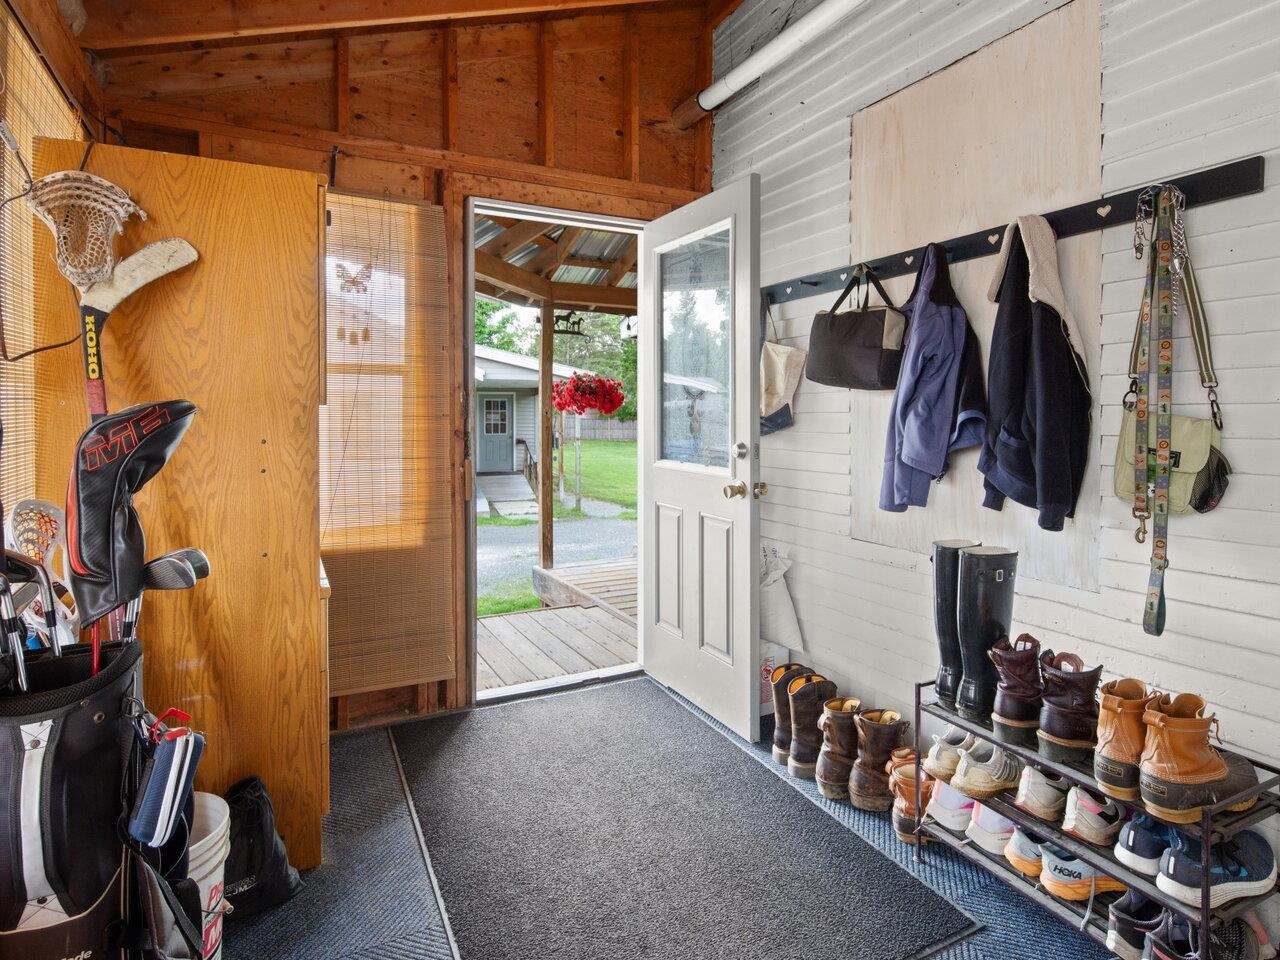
<point x="611" y="584"/>
<point x="555" y="642"/>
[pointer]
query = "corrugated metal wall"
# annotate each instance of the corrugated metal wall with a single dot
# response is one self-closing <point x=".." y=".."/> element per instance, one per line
<point x="1181" y="90"/>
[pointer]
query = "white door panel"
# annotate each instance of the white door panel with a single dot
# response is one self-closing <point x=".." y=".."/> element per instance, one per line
<point x="699" y="427"/>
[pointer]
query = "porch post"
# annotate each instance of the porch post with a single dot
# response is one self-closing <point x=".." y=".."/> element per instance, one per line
<point x="546" y="476"/>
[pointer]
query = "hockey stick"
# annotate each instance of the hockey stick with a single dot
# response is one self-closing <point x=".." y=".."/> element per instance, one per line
<point x="131" y="274"/>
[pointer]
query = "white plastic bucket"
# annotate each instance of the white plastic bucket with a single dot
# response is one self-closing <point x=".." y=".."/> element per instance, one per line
<point x="210" y="845"/>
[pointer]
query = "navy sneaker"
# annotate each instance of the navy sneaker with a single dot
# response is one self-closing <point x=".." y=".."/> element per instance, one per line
<point x="1176" y="938"/>
<point x="1129" y="920"/>
<point x="1243" y="866"/>
<point x="1143" y="841"/>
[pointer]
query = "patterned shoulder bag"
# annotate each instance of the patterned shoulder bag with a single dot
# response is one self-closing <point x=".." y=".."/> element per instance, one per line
<point x="1164" y="463"/>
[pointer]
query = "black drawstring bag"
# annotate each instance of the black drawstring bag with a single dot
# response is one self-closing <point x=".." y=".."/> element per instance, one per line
<point x="258" y="875"/>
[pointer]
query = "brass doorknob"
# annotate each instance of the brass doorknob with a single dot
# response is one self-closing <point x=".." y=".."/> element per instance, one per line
<point x="760" y="490"/>
<point x="736" y="489"/>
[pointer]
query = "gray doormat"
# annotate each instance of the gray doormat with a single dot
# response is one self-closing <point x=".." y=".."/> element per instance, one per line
<point x="612" y="822"/>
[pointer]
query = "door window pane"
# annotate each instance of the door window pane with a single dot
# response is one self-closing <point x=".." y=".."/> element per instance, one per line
<point x="695" y="352"/>
<point x="495" y="416"/>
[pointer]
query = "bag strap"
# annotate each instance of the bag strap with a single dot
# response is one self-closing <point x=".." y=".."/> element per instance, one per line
<point x="860" y="272"/>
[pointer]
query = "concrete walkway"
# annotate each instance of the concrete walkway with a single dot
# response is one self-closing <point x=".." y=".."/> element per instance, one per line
<point x="504" y="554"/>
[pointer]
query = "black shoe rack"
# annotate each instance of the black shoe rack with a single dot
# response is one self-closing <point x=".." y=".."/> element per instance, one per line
<point x="1216" y="823"/>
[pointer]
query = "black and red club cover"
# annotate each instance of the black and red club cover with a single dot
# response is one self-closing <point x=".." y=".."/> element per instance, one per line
<point x="115" y="457"/>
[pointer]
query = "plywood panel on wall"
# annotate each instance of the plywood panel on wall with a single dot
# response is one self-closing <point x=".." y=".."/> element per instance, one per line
<point x="236" y="333"/>
<point x="1012" y="129"/>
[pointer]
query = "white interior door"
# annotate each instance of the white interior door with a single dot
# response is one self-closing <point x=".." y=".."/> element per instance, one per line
<point x="699" y="427"/>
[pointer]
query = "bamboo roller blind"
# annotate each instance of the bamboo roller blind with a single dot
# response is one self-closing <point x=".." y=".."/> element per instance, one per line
<point x="385" y="524"/>
<point x="33" y="106"/>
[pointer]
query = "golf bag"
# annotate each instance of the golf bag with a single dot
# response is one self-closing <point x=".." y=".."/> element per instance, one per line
<point x="115" y="458"/>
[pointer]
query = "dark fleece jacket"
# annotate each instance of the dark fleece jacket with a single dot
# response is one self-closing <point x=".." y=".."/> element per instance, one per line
<point x="1037" y="442"/>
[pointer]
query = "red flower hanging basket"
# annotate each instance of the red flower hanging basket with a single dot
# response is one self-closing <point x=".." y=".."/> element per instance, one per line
<point x="586" y="391"/>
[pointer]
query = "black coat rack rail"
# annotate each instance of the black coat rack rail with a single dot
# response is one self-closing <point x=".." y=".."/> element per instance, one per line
<point x="1236" y="179"/>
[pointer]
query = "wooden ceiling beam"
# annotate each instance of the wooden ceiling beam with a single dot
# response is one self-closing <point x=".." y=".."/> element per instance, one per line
<point x="493" y="273"/>
<point x="545" y="262"/>
<point x="142" y="23"/>
<point x="597" y="299"/>
<point x="625" y="263"/>
<point x="58" y="48"/>
<point x="508" y="276"/>
<point x="520" y="234"/>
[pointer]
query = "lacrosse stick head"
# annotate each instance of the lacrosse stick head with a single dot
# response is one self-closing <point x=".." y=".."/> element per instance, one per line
<point x="85" y="213"/>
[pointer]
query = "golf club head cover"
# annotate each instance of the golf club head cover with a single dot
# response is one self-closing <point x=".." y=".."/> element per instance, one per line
<point x="114" y="459"/>
<point x="64" y="767"/>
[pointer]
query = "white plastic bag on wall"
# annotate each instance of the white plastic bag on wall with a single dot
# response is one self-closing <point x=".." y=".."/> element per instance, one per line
<point x="778" y="622"/>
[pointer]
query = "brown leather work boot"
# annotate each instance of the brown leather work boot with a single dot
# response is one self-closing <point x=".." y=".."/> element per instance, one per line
<point x="1122" y="735"/>
<point x="781" y="679"/>
<point x="807" y="694"/>
<point x="1016" y="716"/>
<point x="902" y="784"/>
<point x="1069" y="717"/>
<point x="1179" y="771"/>
<point x="880" y="732"/>
<point x="839" y="747"/>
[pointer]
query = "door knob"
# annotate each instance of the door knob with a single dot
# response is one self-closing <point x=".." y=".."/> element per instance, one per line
<point x="736" y="489"/>
<point x="760" y="490"/>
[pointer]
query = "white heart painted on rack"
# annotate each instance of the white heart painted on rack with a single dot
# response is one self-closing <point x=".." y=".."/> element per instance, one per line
<point x="908" y="260"/>
<point x="993" y="238"/>
<point x="788" y="289"/>
<point x="1103" y="211"/>
<point x="844" y="276"/>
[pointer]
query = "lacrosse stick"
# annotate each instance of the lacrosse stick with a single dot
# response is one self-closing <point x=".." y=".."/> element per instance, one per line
<point x="38" y="530"/>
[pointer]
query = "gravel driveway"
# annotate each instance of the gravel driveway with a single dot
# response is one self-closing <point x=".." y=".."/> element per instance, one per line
<point x="505" y="553"/>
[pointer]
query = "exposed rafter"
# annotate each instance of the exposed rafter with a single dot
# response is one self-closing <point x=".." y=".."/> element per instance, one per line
<point x="518" y="235"/>
<point x="496" y="277"/>
<point x="140" y="23"/>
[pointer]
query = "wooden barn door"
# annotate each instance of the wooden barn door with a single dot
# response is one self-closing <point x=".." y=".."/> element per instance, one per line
<point x="237" y="333"/>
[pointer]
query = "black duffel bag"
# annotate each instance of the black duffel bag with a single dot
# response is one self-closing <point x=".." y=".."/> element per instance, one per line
<point x="859" y="349"/>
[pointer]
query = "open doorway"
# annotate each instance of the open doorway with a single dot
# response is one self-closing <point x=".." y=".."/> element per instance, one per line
<point x="553" y="447"/>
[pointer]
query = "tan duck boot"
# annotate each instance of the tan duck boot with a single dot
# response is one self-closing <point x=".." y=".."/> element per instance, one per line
<point x="781" y="679"/>
<point x="807" y="695"/>
<point x="1122" y="735"/>
<point x="880" y="732"/>
<point x="839" y="747"/>
<point x="902" y="784"/>
<point x="1180" y="773"/>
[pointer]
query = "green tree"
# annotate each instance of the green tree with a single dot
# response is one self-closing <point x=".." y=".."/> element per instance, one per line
<point x="496" y="326"/>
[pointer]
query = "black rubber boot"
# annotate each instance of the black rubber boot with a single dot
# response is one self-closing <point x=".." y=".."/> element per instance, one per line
<point x="983" y="612"/>
<point x="946" y="577"/>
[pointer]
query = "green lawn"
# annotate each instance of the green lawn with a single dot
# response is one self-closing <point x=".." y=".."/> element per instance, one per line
<point x="508" y="597"/>
<point x="608" y="470"/>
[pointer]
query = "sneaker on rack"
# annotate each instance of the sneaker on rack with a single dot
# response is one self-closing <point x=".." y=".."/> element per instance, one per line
<point x="1023" y="852"/>
<point x="1129" y="920"/>
<point x="1176" y="938"/>
<point x="1042" y="795"/>
<point x="949" y="807"/>
<point x="989" y="830"/>
<point x="1266" y="949"/>
<point x="1242" y="866"/>
<point x="944" y="755"/>
<point x="1143" y="841"/>
<point x="1092" y="817"/>
<point x="985" y="771"/>
<point x="1067" y="877"/>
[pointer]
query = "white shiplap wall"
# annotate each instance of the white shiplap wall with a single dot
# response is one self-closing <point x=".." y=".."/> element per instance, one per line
<point x="866" y="608"/>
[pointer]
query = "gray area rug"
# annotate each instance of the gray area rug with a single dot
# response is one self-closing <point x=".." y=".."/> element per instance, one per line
<point x="612" y="822"/>
<point x="372" y="899"/>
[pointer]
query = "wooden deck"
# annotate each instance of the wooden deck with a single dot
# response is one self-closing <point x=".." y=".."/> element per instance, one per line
<point x="609" y="584"/>
<point x="534" y="645"/>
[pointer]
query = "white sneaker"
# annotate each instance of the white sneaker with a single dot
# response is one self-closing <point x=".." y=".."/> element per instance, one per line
<point x="1042" y="795"/>
<point x="950" y="808"/>
<point x="989" y="830"/>
<point x="944" y="755"/>
<point x="1093" y="817"/>
<point x="985" y="771"/>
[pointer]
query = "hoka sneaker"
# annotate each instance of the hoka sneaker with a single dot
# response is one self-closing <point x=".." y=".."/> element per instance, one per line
<point x="989" y="830"/>
<point x="1242" y="866"/>
<point x="1129" y="920"/>
<point x="1093" y="818"/>
<point x="1023" y="851"/>
<point x="944" y="755"/>
<point x="1143" y="841"/>
<point x="1069" y="878"/>
<point x="949" y="808"/>
<point x="1178" y="939"/>
<point x="1042" y="795"/>
<point x="985" y="771"/>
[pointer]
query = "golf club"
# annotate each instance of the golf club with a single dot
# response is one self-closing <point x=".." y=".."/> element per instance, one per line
<point x="29" y="571"/>
<point x="13" y="633"/>
<point x="169" y="572"/>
